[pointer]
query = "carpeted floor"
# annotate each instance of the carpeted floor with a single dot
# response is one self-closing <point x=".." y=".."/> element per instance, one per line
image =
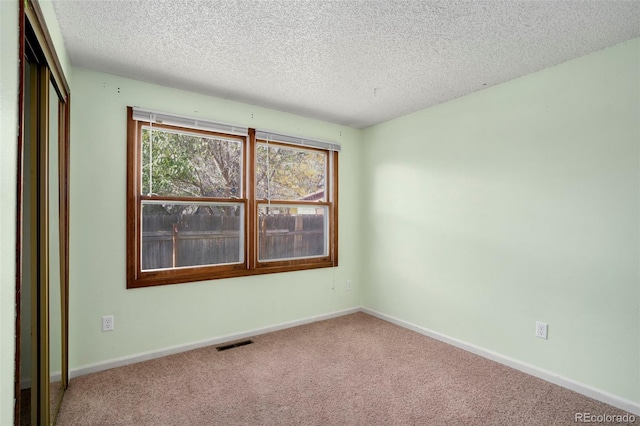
<point x="352" y="370"/>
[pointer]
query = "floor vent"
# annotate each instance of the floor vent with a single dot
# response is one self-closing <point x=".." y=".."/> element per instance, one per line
<point x="234" y="345"/>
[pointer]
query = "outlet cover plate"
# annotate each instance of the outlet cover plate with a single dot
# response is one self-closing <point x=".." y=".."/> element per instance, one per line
<point x="541" y="329"/>
<point x="107" y="323"/>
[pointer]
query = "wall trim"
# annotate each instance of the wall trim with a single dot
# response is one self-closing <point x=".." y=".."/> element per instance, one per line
<point x="597" y="394"/>
<point x="158" y="353"/>
<point x="589" y="391"/>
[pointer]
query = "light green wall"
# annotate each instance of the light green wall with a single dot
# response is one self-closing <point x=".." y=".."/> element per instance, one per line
<point x="515" y="204"/>
<point x="56" y="36"/>
<point x="155" y="318"/>
<point x="8" y="170"/>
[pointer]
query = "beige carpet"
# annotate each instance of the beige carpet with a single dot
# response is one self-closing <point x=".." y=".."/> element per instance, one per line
<point x="353" y="370"/>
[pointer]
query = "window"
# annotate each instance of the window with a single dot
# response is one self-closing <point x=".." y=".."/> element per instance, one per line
<point x="286" y="177"/>
<point x="208" y="201"/>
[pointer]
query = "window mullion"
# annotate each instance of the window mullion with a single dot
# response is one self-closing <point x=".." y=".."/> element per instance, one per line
<point x="251" y="223"/>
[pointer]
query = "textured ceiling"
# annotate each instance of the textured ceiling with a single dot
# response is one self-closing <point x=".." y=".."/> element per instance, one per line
<point x="351" y="62"/>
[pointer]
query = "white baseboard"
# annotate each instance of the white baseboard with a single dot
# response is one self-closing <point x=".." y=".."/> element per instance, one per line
<point x="626" y="405"/>
<point x="26" y="383"/>
<point x="145" y="356"/>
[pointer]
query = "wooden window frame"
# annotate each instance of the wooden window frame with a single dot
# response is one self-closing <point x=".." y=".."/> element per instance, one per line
<point x="137" y="278"/>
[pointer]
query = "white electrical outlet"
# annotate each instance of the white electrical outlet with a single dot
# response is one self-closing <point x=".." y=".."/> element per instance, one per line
<point x="107" y="323"/>
<point x="349" y="285"/>
<point x="541" y="330"/>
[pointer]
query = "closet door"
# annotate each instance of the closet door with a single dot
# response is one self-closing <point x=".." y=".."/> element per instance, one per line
<point x="42" y="285"/>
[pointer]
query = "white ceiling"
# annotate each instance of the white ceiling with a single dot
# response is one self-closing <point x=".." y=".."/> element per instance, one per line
<point x="352" y="62"/>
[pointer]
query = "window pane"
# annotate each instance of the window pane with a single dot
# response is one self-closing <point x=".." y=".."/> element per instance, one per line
<point x="187" y="235"/>
<point x="290" y="232"/>
<point x="190" y="165"/>
<point x="290" y="173"/>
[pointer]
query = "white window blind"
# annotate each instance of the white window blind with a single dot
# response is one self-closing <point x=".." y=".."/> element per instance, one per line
<point x="188" y="122"/>
<point x="296" y="140"/>
<point x="141" y="114"/>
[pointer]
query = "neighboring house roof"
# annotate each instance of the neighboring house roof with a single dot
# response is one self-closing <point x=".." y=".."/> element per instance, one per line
<point x="315" y="196"/>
